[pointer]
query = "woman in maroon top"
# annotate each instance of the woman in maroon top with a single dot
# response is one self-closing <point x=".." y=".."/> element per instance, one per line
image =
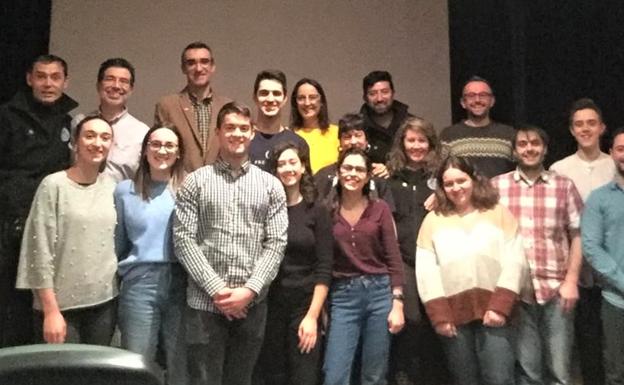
<point x="366" y="296"/>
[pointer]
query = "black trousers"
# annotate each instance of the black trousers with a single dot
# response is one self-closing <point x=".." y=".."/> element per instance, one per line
<point x="16" y="316"/>
<point x="223" y="352"/>
<point x="589" y="335"/>
<point x="281" y="362"/>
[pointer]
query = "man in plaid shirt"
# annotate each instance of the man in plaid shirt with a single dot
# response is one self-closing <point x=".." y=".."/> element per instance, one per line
<point x="548" y="208"/>
<point x="229" y="234"/>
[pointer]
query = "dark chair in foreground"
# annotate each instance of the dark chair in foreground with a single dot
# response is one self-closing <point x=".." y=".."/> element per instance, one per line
<point x="73" y="364"/>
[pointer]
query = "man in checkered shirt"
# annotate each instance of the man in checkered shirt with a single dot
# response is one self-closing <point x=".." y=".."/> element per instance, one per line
<point x="548" y="208"/>
<point x="229" y="233"/>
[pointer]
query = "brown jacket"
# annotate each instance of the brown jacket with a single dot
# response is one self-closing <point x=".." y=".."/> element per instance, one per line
<point x="177" y="109"/>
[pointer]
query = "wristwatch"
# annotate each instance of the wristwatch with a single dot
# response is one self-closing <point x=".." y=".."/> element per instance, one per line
<point x="398" y="297"/>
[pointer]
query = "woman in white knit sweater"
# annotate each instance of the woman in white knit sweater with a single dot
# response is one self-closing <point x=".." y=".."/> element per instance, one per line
<point x="470" y="269"/>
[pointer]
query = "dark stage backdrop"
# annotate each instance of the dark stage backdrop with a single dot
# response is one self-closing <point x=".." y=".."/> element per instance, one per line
<point x="540" y="57"/>
<point x="24" y="34"/>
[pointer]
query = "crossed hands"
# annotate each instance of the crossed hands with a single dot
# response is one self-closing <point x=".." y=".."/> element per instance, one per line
<point x="233" y="302"/>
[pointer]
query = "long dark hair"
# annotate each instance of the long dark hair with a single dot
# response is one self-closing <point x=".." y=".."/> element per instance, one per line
<point x="484" y="195"/>
<point x="143" y="178"/>
<point x="296" y="120"/>
<point x="397" y="159"/>
<point x="306" y="185"/>
<point x="335" y="195"/>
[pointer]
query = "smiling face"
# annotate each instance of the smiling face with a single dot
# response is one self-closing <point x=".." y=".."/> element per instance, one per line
<point x="416" y="147"/>
<point x="353" y="139"/>
<point x="308" y="102"/>
<point x="47" y="81"/>
<point x="477" y="99"/>
<point x="93" y="142"/>
<point x="353" y="174"/>
<point x="530" y="150"/>
<point x="234" y="134"/>
<point x="198" y="66"/>
<point x="115" y="87"/>
<point x="270" y="97"/>
<point x="587" y="127"/>
<point x="162" y="150"/>
<point x="289" y="168"/>
<point x="380" y="97"/>
<point x="458" y="189"/>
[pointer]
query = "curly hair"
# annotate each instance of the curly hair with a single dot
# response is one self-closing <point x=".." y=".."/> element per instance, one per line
<point x="306" y="185"/>
<point x="484" y="195"/>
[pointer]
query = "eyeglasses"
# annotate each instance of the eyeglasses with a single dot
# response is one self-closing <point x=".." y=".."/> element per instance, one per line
<point x="168" y="146"/>
<point x="347" y="168"/>
<point x="480" y="95"/>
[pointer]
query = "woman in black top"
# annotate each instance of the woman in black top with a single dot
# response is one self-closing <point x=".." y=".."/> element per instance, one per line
<point x="291" y="351"/>
<point x="412" y="163"/>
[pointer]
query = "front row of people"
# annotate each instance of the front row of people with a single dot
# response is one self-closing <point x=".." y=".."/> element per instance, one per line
<point x="240" y="235"/>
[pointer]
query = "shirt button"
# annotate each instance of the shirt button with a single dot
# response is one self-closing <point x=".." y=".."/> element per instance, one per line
<point x="353" y="244"/>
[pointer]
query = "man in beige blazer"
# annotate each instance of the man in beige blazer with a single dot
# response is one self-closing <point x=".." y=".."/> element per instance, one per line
<point x="193" y="111"/>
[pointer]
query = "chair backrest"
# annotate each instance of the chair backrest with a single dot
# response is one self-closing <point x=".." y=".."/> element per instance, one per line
<point x="74" y="364"/>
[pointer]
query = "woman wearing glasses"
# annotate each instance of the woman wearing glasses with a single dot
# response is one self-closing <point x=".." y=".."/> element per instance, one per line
<point x="153" y="284"/>
<point x="366" y="297"/>
<point x="310" y="119"/>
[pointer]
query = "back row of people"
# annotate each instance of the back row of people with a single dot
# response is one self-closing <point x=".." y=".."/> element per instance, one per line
<point x="477" y="99"/>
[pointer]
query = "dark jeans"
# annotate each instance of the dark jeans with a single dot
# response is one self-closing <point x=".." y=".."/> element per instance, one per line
<point x="280" y="361"/>
<point x="16" y="318"/>
<point x="588" y="328"/>
<point x="480" y="355"/>
<point x="223" y="352"/>
<point x="613" y="326"/>
<point x="93" y="325"/>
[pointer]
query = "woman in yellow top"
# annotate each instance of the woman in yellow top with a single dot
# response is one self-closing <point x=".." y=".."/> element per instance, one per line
<point x="309" y="118"/>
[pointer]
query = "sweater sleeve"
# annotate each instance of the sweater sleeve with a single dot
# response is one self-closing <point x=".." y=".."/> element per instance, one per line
<point x="38" y="251"/>
<point x="324" y="247"/>
<point x="122" y="243"/>
<point x="514" y="268"/>
<point x="428" y="276"/>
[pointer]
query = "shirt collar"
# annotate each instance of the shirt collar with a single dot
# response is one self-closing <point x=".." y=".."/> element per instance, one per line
<point x="618" y="182"/>
<point x="222" y="166"/>
<point x="519" y="175"/>
<point x="194" y="100"/>
<point x="116" y="118"/>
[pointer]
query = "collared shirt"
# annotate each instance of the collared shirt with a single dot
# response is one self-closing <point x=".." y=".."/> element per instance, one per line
<point x="203" y="115"/>
<point x="603" y="238"/>
<point x="229" y="230"/>
<point x="548" y="211"/>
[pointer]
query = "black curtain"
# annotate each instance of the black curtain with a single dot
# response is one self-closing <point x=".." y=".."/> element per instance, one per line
<point x="24" y="34"/>
<point x="540" y="56"/>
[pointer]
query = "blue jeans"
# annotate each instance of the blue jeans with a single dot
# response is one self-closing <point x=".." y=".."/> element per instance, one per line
<point x="151" y="305"/>
<point x="480" y="355"/>
<point x="359" y="311"/>
<point x="544" y="346"/>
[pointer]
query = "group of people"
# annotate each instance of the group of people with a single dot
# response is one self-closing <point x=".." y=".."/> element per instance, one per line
<point x="366" y="252"/>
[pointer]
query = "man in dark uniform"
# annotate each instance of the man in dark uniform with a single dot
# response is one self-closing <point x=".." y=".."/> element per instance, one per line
<point x="34" y="142"/>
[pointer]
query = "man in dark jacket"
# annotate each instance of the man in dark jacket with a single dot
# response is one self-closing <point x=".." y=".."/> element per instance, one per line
<point x="382" y="114"/>
<point x="34" y="142"/>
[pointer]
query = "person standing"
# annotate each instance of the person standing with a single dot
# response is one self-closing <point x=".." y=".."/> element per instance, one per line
<point x="548" y="209"/>
<point x="153" y="284"/>
<point x="67" y="256"/>
<point x="34" y="137"/>
<point x="193" y="110"/>
<point x="229" y="230"/>
<point x="602" y="227"/>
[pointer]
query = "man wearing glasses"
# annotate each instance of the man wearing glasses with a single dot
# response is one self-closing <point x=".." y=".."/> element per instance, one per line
<point x="193" y="110"/>
<point x="486" y="143"/>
